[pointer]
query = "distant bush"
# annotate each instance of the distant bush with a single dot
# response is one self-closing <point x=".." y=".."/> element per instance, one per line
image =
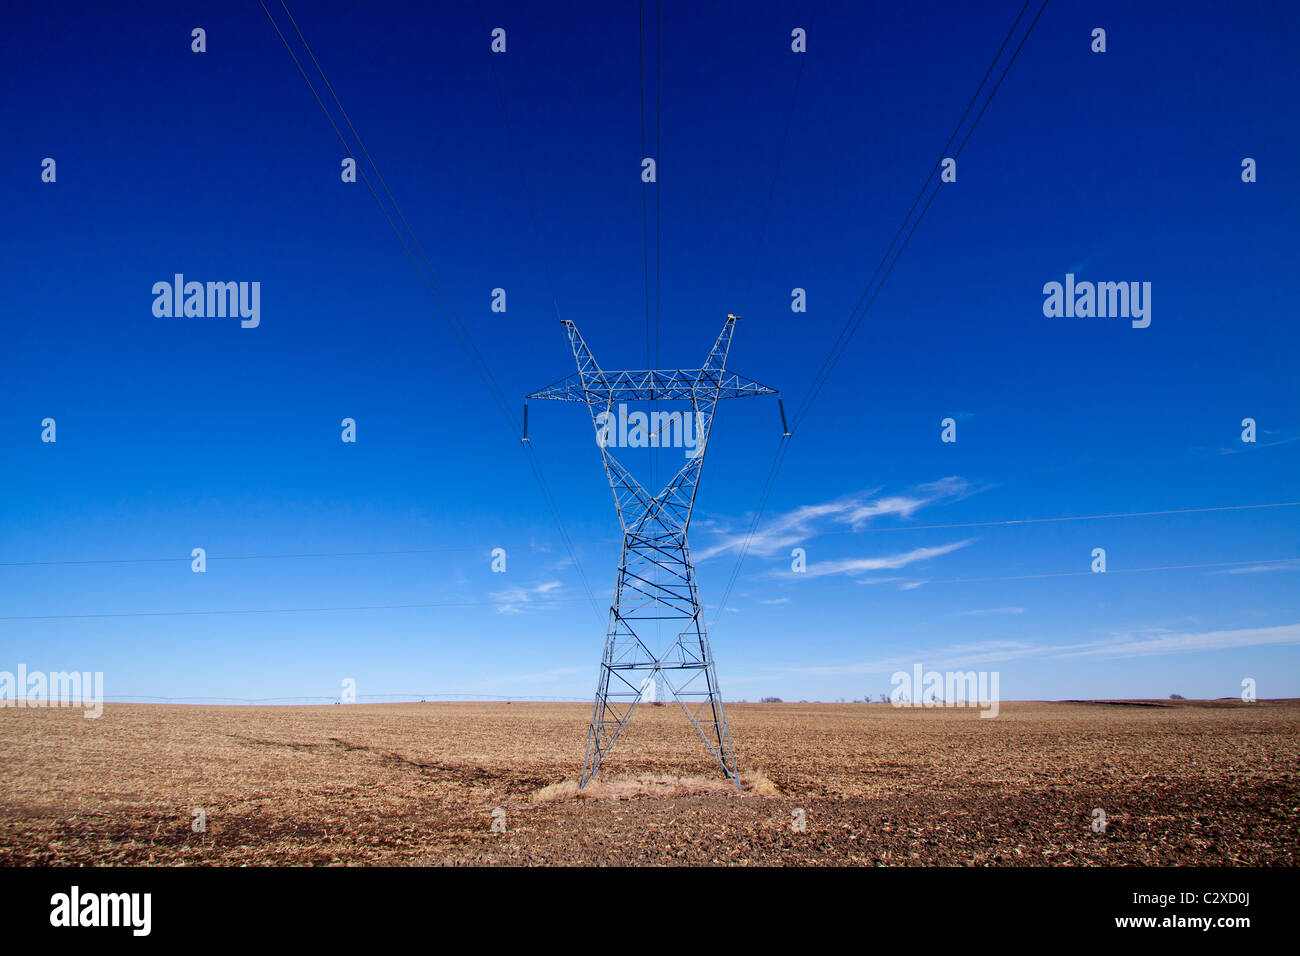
<point x="1177" y="697"/>
<point x="771" y="700"/>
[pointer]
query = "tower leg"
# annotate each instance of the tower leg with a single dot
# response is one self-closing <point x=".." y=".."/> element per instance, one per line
<point x="685" y="667"/>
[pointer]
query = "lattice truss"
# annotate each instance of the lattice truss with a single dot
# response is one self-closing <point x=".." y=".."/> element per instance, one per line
<point x="656" y="580"/>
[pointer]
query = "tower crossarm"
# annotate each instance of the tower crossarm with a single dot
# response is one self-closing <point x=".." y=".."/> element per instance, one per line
<point x="655" y="385"/>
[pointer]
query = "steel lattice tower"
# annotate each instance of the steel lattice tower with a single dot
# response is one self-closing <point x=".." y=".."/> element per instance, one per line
<point x="656" y="580"/>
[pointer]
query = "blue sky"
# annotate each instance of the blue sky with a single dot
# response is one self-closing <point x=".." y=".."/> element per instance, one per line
<point x="175" y="433"/>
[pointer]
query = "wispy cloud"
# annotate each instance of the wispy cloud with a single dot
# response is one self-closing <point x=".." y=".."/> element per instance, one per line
<point x="849" y="513"/>
<point x="541" y="675"/>
<point x="1267" y="438"/>
<point x="1130" y="646"/>
<point x="1119" y="646"/>
<point x="547" y="677"/>
<point x="950" y="658"/>
<point x="889" y="562"/>
<point x="512" y="600"/>
<point x="1262" y="568"/>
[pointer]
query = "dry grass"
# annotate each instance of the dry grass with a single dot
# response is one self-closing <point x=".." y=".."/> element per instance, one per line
<point x="607" y="788"/>
<point x="418" y="783"/>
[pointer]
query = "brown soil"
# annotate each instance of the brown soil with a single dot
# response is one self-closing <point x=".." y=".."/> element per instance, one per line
<point x="1182" y="782"/>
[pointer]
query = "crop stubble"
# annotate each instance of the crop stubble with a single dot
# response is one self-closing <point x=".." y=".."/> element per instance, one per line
<point x="1180" y="783"/>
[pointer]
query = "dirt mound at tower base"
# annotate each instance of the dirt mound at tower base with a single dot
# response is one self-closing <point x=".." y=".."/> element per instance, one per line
<point x="631" y="788"/>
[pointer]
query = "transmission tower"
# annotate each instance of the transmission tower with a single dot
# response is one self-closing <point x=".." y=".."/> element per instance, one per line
<point x="656" y="580"/>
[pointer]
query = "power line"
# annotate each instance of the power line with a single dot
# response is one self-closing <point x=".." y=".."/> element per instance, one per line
<point x="1053" y="574"/>
<point x="486" y="548"/>
<point x="645" y="212"/>
<point x="450" y="309"/>
<point x="248" y="557"/>
<point x="659" y="246"/>
<point x="659" y="155"/>
<point x="376" y="698"/>
<point x="850" y="328"/>
<point x="523" y="182"/>
<point x="556" y="601"/>
<point x="447" y="308"/>
<point x="659" y="249"/>
<point x="768" y="483"/>
<point x="929" y="176"/>
<point x="1055" y="519"/>
<point x="779" y="457"/>
<point x="559" y="523"/>
<point x="780" y="156"/>
<point x="287" y="610"/>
